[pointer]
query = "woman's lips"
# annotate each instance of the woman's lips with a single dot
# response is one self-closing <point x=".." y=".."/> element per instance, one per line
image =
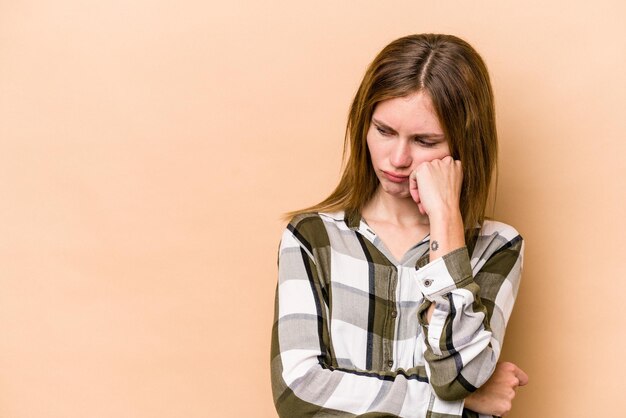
<point x="396" y="178"/>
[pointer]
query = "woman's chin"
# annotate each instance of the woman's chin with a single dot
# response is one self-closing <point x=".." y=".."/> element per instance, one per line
<point x="397" y="192"/>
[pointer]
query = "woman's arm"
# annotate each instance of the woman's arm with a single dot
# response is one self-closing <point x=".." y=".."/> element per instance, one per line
<point x="304" y="382"/>
<point x="472" y="304"/>
<point x="467" y="302"/>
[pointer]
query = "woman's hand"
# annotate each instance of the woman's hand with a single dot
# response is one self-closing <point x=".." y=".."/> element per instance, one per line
<point x="495" y="397"/>
<point x="436" y="186"/>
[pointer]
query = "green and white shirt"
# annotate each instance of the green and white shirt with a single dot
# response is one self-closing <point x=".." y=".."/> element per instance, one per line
<point x="350" y="336"/>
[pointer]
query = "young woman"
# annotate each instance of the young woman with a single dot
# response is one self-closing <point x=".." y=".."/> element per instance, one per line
<point x="395" y="291"/>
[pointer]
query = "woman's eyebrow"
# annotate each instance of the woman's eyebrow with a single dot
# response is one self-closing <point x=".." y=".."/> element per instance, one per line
<point x="429" y="136"/>
<point x="382" y="124"/>
<point x="420" y="135"/>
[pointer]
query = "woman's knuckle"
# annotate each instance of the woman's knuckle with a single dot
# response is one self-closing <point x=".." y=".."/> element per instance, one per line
<point x="505" y="365"/>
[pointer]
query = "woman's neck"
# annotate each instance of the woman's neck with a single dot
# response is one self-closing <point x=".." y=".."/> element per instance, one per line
<point x="383" y="207"/>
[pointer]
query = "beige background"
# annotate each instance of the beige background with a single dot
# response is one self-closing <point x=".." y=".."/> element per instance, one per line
<point x="148" y="149"/>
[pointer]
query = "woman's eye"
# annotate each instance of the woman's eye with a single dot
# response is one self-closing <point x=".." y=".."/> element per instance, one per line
<point x="425" y="143"/>
<point x="382" y="131"/>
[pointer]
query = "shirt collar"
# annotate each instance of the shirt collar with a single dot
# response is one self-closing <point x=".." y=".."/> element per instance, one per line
<point x="352" y="218"/>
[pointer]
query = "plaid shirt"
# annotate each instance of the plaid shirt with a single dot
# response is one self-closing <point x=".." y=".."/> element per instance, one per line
<point x="350" y="336"/>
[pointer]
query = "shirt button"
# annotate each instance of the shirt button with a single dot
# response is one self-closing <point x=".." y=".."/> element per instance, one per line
<point x="390" y="363"/>
<point x="394" y="314"/>
<point x="428" y="282"/>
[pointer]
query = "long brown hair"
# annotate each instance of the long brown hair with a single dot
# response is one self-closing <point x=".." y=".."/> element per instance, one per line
<point x="456" y="79"/>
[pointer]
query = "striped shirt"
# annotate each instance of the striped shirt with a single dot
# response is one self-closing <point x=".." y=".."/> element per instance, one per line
<point x="350" y="336"/>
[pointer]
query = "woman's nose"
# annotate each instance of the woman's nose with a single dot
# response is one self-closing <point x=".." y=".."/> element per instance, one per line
<point x="401" y="155"/>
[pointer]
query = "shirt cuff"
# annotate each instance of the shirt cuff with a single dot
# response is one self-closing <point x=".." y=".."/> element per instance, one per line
<point x="445" y="274"/>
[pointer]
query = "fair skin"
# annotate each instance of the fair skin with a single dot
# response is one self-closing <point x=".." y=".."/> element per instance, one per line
<point x="418" y="194"/>
<point x="420" y="183"/>
<point x="495" y="397"/>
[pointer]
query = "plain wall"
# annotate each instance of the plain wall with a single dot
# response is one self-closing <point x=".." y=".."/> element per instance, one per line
<point x="149" y="148"/>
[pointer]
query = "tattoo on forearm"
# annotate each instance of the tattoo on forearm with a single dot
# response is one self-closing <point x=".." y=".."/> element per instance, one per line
<point x="434" y="245"/>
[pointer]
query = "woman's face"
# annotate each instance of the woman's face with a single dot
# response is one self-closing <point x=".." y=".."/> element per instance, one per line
<point x="403" y="133"/>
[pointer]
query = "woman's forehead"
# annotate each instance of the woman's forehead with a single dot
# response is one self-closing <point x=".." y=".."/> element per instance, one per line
<point x="409" y="114"/>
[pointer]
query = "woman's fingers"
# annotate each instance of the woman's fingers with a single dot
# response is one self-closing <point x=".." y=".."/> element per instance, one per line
<point x="436" y="184"/>
<point x="496" y="396"/>
<point x="421" y="208"/>
<point x="413" y="190"/>
<point x="522" y="376"/>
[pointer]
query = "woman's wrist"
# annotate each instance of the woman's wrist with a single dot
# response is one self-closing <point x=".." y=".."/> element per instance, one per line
<point x="446" y="233"/>
<point x="469" y="402"/>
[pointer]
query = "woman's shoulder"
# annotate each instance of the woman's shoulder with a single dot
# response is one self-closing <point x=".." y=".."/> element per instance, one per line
<point x="491" y="228"/>
<point x="312" y="229"/>
<point x="315" y="219"/>
<point x="495" y="237"/>
<point x="317" y="228"/>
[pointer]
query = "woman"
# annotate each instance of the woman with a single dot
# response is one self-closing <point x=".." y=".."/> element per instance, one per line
<point x="395" y="291"/>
